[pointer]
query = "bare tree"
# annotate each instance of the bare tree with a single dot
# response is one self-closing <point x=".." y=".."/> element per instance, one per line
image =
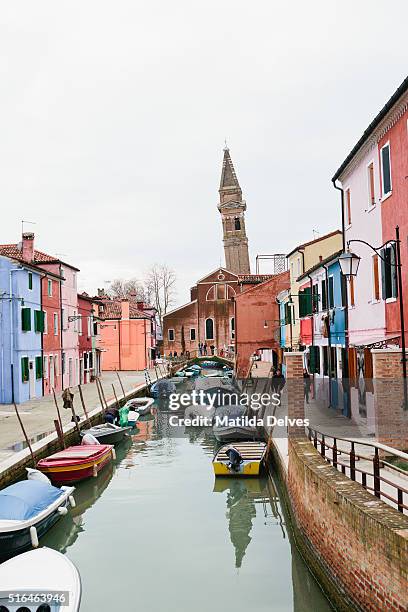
<point x="160" y="288"/>
<point x="120" y="288"/>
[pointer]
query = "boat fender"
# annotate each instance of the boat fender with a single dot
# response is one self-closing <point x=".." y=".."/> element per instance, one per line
<point x="37" y="475"/>
<point x="34" y="537"/>
<point x="89" y="439"/>
<point x="72" y="501"/>
<point x="113" y="454"/>
<point x="63" y="510"/>
<point x="95" y="471"/>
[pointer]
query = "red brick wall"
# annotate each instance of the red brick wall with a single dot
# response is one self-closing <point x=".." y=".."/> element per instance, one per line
<point x="253" y="307"/>
<point x="350" y="538"/>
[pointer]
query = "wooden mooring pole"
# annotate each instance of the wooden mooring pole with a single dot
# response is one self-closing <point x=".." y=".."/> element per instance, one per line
<point x="83" y="405"/>
<point x="116" y="398"/>
<point x="25" y="435"/>
<point x="120" y="381"/>
<point x="59" y="419"/>
<point x="100" y="395"/>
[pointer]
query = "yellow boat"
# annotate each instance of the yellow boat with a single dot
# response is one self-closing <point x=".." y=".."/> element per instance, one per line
<point x="239" y="459"/>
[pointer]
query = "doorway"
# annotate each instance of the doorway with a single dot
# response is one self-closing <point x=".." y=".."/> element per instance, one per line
<point x="31" y="371"/>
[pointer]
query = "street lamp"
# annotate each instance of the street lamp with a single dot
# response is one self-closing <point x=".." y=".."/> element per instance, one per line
<point x="349" y="263"/>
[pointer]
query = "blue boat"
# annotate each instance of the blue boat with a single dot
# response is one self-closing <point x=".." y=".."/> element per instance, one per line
<point x="28" y="509"/>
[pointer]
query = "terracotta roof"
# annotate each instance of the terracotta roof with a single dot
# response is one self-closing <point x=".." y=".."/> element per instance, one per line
<point x="13" y="251"/>
<point x="112" y="309"/>
<point x="254" y="279"/>
<point x="306" y="244"/>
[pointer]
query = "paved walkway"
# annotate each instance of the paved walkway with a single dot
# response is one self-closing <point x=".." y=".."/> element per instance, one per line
<point x="38" y="415"/>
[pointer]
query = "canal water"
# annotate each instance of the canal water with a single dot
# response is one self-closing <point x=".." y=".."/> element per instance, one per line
<point x="157" y="532"/>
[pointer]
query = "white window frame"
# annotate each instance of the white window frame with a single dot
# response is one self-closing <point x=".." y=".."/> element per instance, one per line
<point x="45" y="367"/>
<point x="385" y="195"/>
<point x="171" y="329"/>
<point x="56" y="322"/>
<point x="49" y="287"/>
<point x="374" y="300"/>
<point x="45" y="322"/>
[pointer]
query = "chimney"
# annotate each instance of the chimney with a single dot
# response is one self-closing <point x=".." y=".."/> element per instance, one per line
<point x="27" y="247"/>
<point x="125" y="309"/>
<point x="140" y="306"/>
<point x="101" y="292"/>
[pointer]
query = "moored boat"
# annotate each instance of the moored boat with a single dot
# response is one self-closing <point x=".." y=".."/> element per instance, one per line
<point x="28" y="509"/>
<point x="107" y="433"/>
<point x="76" y="463"/>
<point x="41" y="579"/>
<point x="142" y="405"/>
<point x="231" y="423"/>
<point x="162" y="388"/>
<point x="240" y="459"/>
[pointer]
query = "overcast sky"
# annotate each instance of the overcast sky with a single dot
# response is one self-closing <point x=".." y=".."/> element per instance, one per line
<point x="114" y="114"/>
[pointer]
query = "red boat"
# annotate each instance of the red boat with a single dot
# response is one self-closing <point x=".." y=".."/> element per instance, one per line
<point x="76" y="463"/>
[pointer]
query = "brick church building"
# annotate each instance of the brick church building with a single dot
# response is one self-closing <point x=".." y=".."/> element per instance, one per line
<point x="209" y="317"/>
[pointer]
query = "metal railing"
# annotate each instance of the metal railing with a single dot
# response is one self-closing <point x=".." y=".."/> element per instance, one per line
<point x="370" y="480"/>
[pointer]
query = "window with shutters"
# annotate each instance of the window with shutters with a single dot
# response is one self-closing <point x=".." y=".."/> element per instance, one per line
<point x="331" y="292"/>
<point x="39" y="321"/>
<point x="315" y="298"/>
<point x="24" y="369"/>
<point x="351" y="291"/>
<point x="370" y="181"/>
<point x="38" y="368"/>
<point x="389" y="273"/>
<point x="348" y="206"/>
<point x="343" y="287"/>
<point x="376" y="279"/>
<point x="49" y="287"/>
<point x="26" y="319"/>
<point x="386" y="170"/>
<point x="324" y="295"/>
<point x="30" y="281"/>
<point x="288" y="313"/>
<point x="305" y="302"/>
<point x="171" y="335"/>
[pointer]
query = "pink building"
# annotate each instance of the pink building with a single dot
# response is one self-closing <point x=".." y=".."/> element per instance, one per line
<point x="126" y="335"/>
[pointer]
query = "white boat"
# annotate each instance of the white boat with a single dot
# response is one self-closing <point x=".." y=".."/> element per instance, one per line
<point x="41" y="579"/>
<point x="142" y="405"/>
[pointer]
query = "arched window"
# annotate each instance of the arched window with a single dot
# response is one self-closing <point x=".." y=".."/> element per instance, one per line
<point x="209" y="329"/>
<point x="210" y="297"/>
<point x="237" y="222"/>
<point x="230" y="292"/>
<point x="233" y="328"/>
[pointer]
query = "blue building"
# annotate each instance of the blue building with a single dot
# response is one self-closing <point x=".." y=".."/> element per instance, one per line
<point x="21" y="328"/>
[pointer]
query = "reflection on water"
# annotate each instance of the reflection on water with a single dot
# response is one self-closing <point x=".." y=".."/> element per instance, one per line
<point x="156" y="531"/>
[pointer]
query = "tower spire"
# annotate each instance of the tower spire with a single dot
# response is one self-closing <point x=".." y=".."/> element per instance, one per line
<point x="232" y="208"/>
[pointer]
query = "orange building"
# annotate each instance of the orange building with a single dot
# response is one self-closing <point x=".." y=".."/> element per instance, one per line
<point x="126" y="335"/>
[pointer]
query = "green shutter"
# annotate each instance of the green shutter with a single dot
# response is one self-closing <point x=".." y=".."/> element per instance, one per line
<point x="26" y="319"/>
<point x="38" y="367"/>
<point x="324" y="295"/>
<point x="308" y="301"/>
<point x="24" y="369"/>
<point x="39" y="320"/>
<point x="331" y="292"/>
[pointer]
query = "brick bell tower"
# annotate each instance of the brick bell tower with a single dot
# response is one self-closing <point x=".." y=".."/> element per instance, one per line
<point x="232" y="208"/>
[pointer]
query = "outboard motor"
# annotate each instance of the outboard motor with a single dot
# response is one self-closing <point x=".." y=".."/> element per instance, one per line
<point x="235" y="458"/>
<point x="37" y="475"/>
<point x="89" y="439"/>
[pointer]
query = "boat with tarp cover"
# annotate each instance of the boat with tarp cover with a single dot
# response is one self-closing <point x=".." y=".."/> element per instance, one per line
<point x="28" y="509"/>
<point x="76" y="463"/>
